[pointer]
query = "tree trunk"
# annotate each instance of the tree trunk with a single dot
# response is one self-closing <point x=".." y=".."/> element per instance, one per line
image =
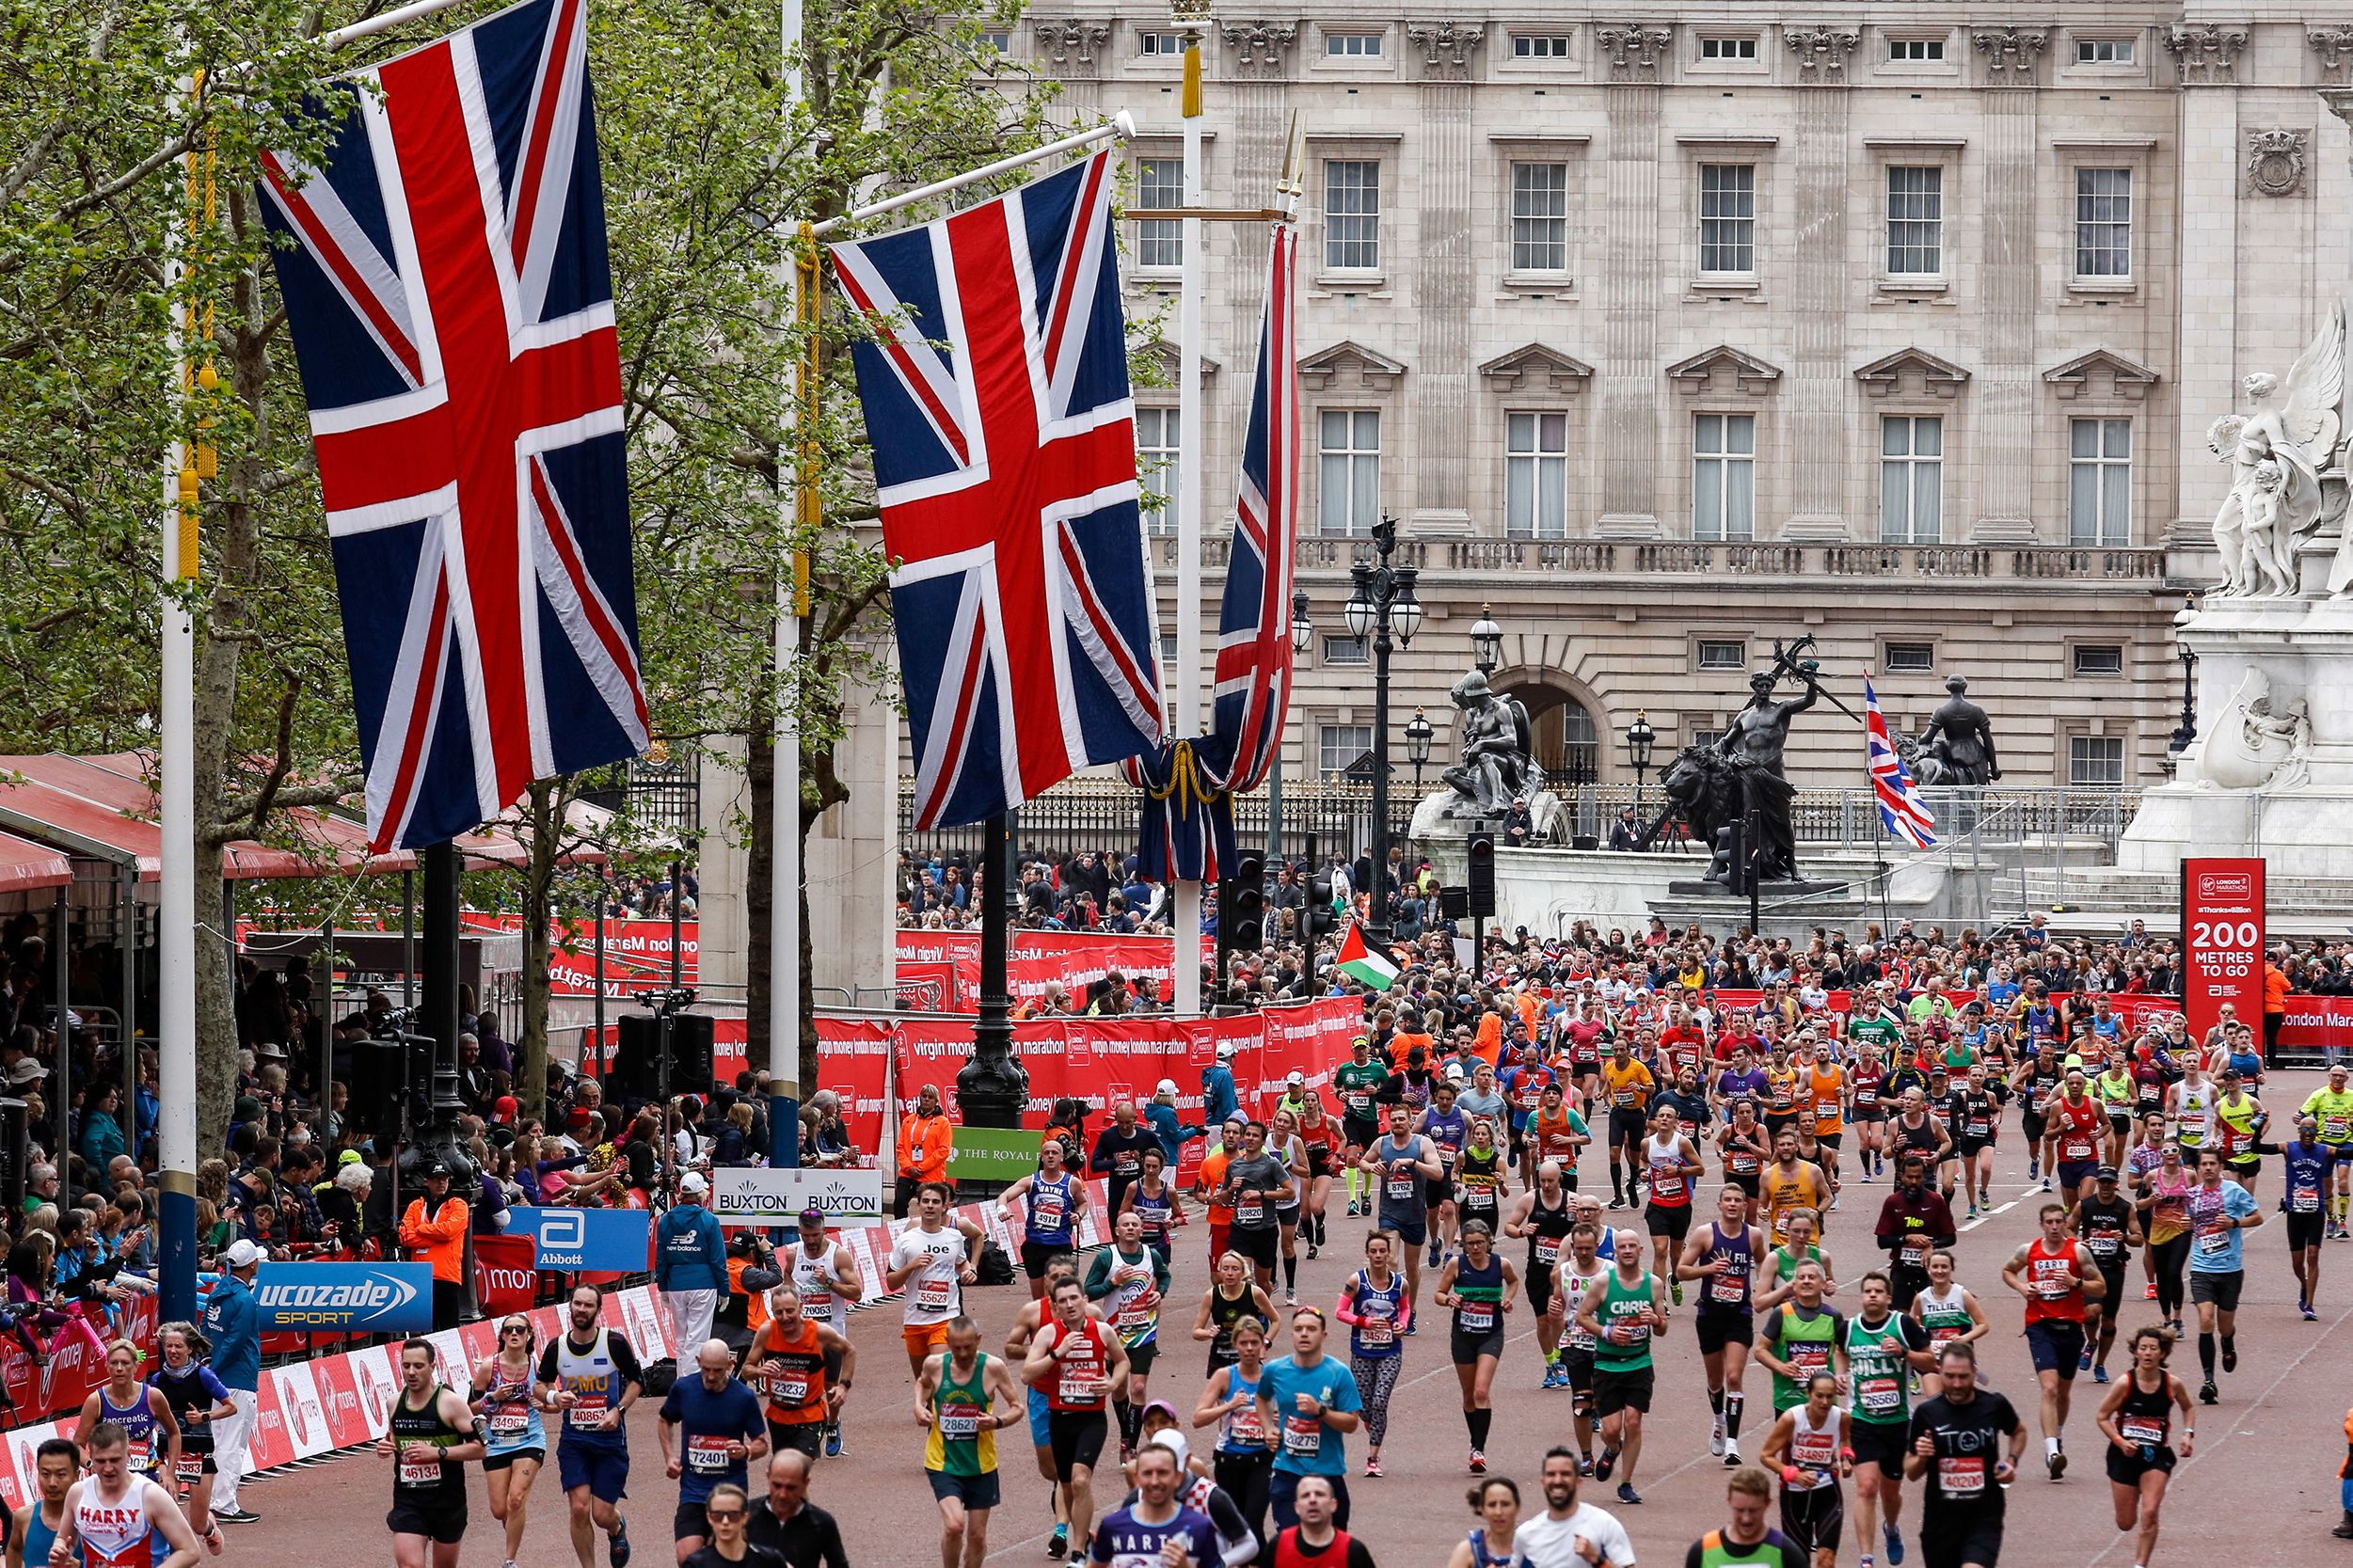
<point x="543" y="810"/>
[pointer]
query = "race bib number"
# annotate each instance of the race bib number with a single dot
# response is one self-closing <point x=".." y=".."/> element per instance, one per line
<point x="1730" y="1287"/>
<point x="1249" y="1215"/>
<point x="1245" y="1430"/>
<point x="1912" y="1252"/>
<point x="1135" y="1316"/>
<point x="509" y="1422"/>
<point x="2140" y="1429"/>
<point x="2104" y="1243"/>
<point x="934" y="1295"/>
<point x="1977" y="1127"/>
<point x="1399" y="1189"/>
<point x="707" y="1456"/>
<point x="958" y="1426"/>
<point x="1047" y="1212"/>
<point x="2304" y="1201"/>
<point x="792" y="1389"/>
<point x="1743" y="1164"/>
<point x="2335" y="1130"/>
<point x="1623" y="1099"/>
<point x="1126" y="1164"/>
<point x="1478" y="1318"/>
<point x="2214" y="1241"/>
<point x="1866" y="1097"/>
<point x="1962" y="1476"/>
<point x="189" y="1468"/>
<point x="1548" y="1250"/>
<point x="2073" y="1148"/>
<point x="586" y="1416"/>
<point x="1810" y="1358"/>
<point x="1880" y="1396"/>
<point x="1359" y="1102"/>
<point x="1303" y="1436"/>
<point x="1079" y="1380"/>
<point x="1376" y="1333"/>
<point x="426" y="1474"/>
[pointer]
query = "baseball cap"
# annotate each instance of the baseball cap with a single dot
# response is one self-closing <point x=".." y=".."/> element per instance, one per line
<point x="438" y="1168"/>
<point x="1225" y="1051"/>
<point x="1170" y="1439"/>
<point x="2105" y="1173"/>
<point x="348" y="1157"/>
<point x="507" y="1108"/>
<point x="242" y="1254"/>
<point x="1296" y="1078"/>
<point x="1167" y="1085"/>
<point x="693" y="1185"/>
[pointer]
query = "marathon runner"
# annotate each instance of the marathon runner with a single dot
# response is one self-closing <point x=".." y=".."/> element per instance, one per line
<point x="1822" y="1087"/>
<point x="33" y="1529"/>
<point x="1525" y="1087"/>
<point x="1077" y="1361"/>
<point x="2110" y="1227"/>
<point x="729" y="1514"/>
<point x="1322" y="1139"/>
<point x="1543" y="1216"/>
<point x="1256" y="1184"/>
<point x="933" y="1260"/>
<point x="1671" y="1160"/>
<point x="2239" y="1123"/>
<point x="1884" y="1350"/>
<point x="2189" y="1106"/>
<point x="1912" y="1222"/>
<point x="1627" y="1087"/>
<point x="1359" y="1081"/>
<point x="826" y="1273"/>
<point x="1722" y="1256"/>
<point x="2331" y="1106"/>
<point x="2118" y="1094"/>
<point x="432" y="1433"/>
<point x="1557" y="1133"/>
<point x="1580" y="1277"/>
<point x="1481" y="1182"/>
<point x="1975" y="1128"/>
<point x="1236" y="1539"/>
<point x="114" y="1518"/>
<point x="1318" y="1540"/>
<point x="1050" y="1226"/>
<point x="2304" y="1165"/>
<point x="2163" y="1198"/>
<point x="1405" y="1167"/>
<point x="963" y="1398"/>
<point x="1746" y="1541"/>
<point x="1569" y="1533"/>
<point x="1790" y="1184"/>
<point x="1495" y="1542"/>
<point x="1155" y="1529"/>
<point x="1229" y="1298"/>
<point x="2137" y="1418"/>
<point x="1947" y="1312"/>
<point x="804" y="1369"/>
<point x="2142" y="1160"/>
<point x="1479" y="1287"/>
<point x="199" y="1401"/>
<point x="2220" y="1213"/>
<point x="1447" y="1131"/>
<point x="1623" y="1316"/>
<point x="144" y="1415"/>
<point x="1130" y="1280"/>
<point x="1307" y="1403"/>
<point x="1035" y="1315"/>
<point x="1377" y="1308"/>
<point x="590" y="1374"/>
<point x="1957" y="1450"/>
<point x="1153" y="1202"/>
<point x="2036" y="1083"/>
<point x="515" y="1442"/>
<point x="1917" y="1130"/>
<point x="1866" y="1080"/>
<point x="1808" y="1447"/>
<point x="2059" y="1277"/>
<point x="1745" y="1151"/>
<point x="720" y="1431"/>
<point x="1244" y="1460"/>
<point x="1776" y="1280"/>
<point x="1804" y="1335"/>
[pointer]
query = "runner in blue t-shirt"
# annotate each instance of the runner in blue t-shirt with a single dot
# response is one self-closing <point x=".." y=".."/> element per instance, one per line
<point x="1306" y="1401"/>
<point x="1138" y="1536"/>
<point x="719" y="1431"/>
<point x="2220" y="1212"/>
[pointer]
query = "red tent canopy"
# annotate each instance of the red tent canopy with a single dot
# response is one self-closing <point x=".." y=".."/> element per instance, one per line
<point x="25" y="866"/>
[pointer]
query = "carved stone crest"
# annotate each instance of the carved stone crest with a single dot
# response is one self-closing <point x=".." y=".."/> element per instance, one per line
<point x="1821" y="52"/>
<point x="2208" y="53"/>
<point x="2275" y="161"/>
<point x="1634" y="52"/>
<point x="1072" y="46"/>
<point x="2011" y="52"/>
<point x="1259" y="48"/>
<point x="1445" y="46"/>
<point x="2334" y="45"/>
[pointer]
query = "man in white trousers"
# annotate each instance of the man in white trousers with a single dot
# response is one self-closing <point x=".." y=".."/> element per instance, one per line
<point x="690" y="1265"/>
<point x="233" y="1321"/>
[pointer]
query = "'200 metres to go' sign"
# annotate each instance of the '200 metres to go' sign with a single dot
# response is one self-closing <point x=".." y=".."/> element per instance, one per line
<point x="777" y="1196"/>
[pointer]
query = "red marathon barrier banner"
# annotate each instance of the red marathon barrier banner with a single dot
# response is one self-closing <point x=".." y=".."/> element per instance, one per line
<point x="1037" y="958"/>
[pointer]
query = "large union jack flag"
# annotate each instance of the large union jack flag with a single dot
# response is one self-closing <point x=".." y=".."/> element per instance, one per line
<point x="446" y="284"/>
<point x="1900" y="804"/>
<point x="1253" y="675"/>
<point x="995" y="397"/>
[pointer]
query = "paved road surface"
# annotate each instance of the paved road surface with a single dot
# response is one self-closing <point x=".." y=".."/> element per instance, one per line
<point x="2262" y="1488"/>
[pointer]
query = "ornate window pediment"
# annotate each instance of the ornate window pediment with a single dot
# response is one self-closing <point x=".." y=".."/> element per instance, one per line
<point x="2102" y="369"/>
<point x="1532" y="365"/>
<point x="1370" y="368"/>
<point x="1167" y="358"/>
<point x="1723" y="367"/>
<point x="1912" y="369"/>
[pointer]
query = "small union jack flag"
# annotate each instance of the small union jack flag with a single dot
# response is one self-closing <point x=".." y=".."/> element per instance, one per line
<point x="1900" y="804"/>
<point x="445" y="279"/>
<point x="995" y="397"/>
<point x="1253" y="675"/>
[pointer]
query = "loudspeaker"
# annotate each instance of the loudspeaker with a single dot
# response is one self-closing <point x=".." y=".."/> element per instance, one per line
<point x="691" y="1045"/>
<point x="1455" y="902"/>
<point x="376" y="1072"/>
<point x="1481" y="847"/>
<point x="635" y="1070"/>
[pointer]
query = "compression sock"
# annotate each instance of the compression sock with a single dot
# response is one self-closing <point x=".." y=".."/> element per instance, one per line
<point x="1715" y="1402"/>
<point x="1130" y="1419"/>
<point x="2230" y="1353"/>
<point x="1617" y="1179"/>
<point x="1479" y="1422"/>
<point x="2205" y="1355"/>
<point x="1732" y="1406"/>
<point x="1291" y="1274"/>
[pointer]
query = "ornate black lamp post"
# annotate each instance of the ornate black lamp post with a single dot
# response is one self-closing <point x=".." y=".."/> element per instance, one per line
<point x="1487" y="642"/>
<point x="1382" y="606"/>
<point x="1417" y="732"/>
<point x="2186" y="730"/>
<point x="1640" y="739"/>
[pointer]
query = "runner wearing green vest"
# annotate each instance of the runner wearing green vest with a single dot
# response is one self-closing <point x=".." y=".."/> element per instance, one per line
<point x="966" y="1395"/>
<point x="1777" y="1270"/>
<point x="1623" y="1316"/>
<point x="1882" y="1350"/>
<point x="1804" y="1336"/>
<point x="1746" y="1541"/>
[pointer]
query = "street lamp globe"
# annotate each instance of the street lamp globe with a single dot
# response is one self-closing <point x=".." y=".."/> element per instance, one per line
<point x="1640" y="739"/>
<point x="1487" y="642"/>
<point x="1405" y="610"/>
<point x="1361" y="611"/>
<point x="1302" y="629"/>
<point x="1417" y="732"/>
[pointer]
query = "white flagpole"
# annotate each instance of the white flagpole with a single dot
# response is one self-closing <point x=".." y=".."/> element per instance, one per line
<point x="1188" y="657"/>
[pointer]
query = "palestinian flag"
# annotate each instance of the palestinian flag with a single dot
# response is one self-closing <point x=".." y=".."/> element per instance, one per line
<point x="1362" y="962"/>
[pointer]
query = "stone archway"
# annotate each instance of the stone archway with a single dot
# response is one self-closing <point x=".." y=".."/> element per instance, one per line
<point x="1567" y="738"/>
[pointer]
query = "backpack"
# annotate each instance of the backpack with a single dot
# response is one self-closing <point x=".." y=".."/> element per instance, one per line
<point x="995" y="1267"/>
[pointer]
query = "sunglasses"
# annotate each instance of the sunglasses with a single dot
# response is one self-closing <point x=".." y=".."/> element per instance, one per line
<point x="524" y="1329"/>
<point x="715" y="1514"/>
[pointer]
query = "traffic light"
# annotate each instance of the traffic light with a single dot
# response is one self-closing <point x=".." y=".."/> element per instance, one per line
<point x="1242" y="903"/>
<point x="1322" y="920"/>
<point x="1740" y="870"/>
<point x="1481" y="847"/>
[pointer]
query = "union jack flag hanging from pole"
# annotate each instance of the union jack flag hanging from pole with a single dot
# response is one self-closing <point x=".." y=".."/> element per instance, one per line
<point x="445" y="279"/>
<point x="1253" y="674"/>
<point x="1900" y="804"/>
<point x="996" y="396"/>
